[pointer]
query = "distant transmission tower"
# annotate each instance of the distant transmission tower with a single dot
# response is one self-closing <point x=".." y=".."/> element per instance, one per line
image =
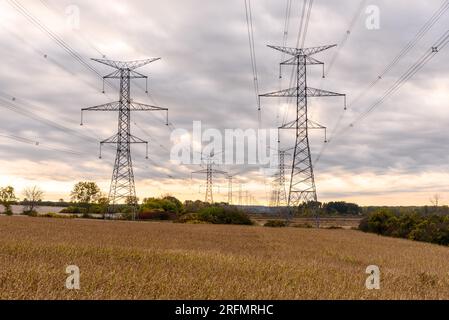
<point x="230" y="185"/>
<point x="282" y="193"/>
<point x="122" y="184"/>
<point x="279" y="193"/>
<point x="209" y="171"/>
<point x="302" y="182"/>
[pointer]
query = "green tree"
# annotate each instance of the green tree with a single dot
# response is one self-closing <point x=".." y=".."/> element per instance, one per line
<point x="7" y="197"/>
<point x="85" y="192"/>
<point x="132" y="201"/>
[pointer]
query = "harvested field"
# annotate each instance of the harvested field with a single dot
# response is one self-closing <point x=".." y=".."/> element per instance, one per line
<point x="137" y="260"/>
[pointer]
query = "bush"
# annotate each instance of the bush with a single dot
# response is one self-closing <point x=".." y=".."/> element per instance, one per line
<point x="156" y="214"/>
<point x="56" y="215"/>
<point x="30" y="213"/>
<point x="342" y="208"/>
<point x="195" y="206"/>
<point x="224" y="215"/>
<point x="303" y="226"/>
<point x="74" y="209"/>
<point x="276" y="224"/>
<point x="167" y="204"/>
<point x="218" y="215"/>
<point x="413" y="226"/>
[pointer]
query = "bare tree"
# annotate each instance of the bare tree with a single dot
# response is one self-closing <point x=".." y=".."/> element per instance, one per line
<point x="435" y="200"/>
<point x="33" y="195"/>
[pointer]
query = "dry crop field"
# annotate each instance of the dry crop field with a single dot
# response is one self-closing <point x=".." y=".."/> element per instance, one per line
<point x="129" y="260"/>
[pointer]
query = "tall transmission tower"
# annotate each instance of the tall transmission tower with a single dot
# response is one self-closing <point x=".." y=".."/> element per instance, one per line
<point x="230" y="185"/>
<point x="122" y="183"/>
<point x="210" y="171"/>
<point x="302" y="181"/>
<point x="281" y="192"/>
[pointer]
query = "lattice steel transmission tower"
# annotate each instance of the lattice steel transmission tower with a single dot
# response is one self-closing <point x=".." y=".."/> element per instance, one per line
<point x="279" y="193"/>
<point x="122" y="183"/>
<point x="302" y="181"/>
<point x="210" y="171"/>
<point x="230" y="192"/>
<point x="282" y="192"/>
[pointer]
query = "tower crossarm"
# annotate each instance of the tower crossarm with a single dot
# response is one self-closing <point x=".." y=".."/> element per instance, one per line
<point x="115" y="139"/>
<point x="301" y="51"/>
<point x="309" y="92"/>
<point x="112" y="106"/>
<point x="292" y="92"/>
<point x="315" y="93"/>
<point x="130" y="65"/>
<point x="136" y="106"/>
<point x="117" y="74"/>
<point x="293" y="61"/>
<point x="204" y="171"/>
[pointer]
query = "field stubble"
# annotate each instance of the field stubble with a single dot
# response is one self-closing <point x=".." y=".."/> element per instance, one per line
<point x="128" y="260"/>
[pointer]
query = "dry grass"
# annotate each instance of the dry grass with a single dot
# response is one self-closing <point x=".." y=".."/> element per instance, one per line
<point x="125" y="260"/>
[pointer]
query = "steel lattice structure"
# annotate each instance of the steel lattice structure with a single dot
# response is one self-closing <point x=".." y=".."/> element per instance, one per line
<point x="209" y="172"/>
<point x="230" y="193"/>
<point x="122" y="183"/>
<point x="302" y="181"/>
<point x="282" y="192"/>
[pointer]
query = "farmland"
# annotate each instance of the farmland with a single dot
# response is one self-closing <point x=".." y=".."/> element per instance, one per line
<point x="137" y="260"/>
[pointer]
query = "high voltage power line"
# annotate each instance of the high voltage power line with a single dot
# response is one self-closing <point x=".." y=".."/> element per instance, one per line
<point x="346" y="36"/>
<point x="103" y="54"/>
<point x="408" y="47"/>
<point x="252" y="49"/>
<point x="302" y="35"/>
<point x="52" y="8"/>
<point x="439" y="45"/>
<point x="60" y="42"/>
<point x="414" y="69"/>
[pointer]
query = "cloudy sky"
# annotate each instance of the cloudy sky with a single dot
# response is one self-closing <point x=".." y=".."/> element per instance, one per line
<point x="398" y="155"/>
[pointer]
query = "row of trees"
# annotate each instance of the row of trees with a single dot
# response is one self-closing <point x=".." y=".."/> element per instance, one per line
<point x="33" y="195"/>
<point x="411" y="225"/>
<point x="330" y="208"/>
<point x="84" y="193"/>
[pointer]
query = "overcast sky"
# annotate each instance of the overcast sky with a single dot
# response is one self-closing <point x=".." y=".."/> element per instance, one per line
<point x="398" y="155"/>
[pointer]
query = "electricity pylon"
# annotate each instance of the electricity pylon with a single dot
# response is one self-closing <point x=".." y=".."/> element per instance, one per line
<point x="302" y="181"/>
<point x="230" y="185"/>
<point x="210" y="171"/>
<point x="281" y="192"/>
<point x="122" y="183"/>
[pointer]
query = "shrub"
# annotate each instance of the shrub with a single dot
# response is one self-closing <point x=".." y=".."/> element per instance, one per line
<point x="194" y="206"/>
<point x="276" y="224"/>
<point x="30" y="213"/>
<point x="73" y="209"/>
<point x="156" y="214"/>
<point x="413" y="226"/>
<point x="224" y="215"/>
<point x="166" y="204"/>
<point x="56" y="215"/>
<point x="342" y="208"/>
<point x="303" y="225"/>
<point x="218" y="215"/>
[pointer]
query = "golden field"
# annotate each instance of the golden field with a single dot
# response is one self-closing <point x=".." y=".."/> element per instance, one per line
<point x="138" y="260"/>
